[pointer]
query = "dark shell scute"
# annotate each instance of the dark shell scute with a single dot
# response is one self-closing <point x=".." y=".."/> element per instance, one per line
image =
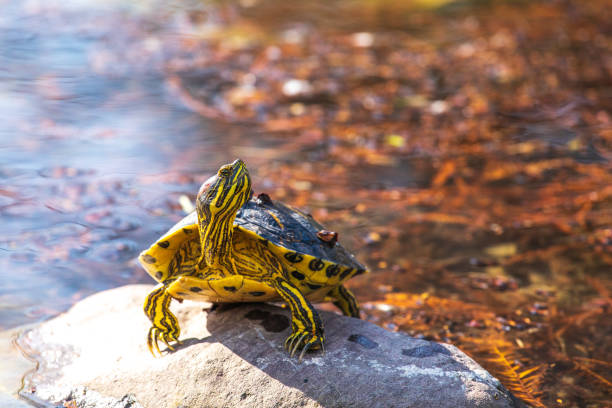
<point x="346" y="273"/>
<point x="149" y="259"/>
<point x="316" y="264"/>
<point x="294" y="257"/>
<point x="332" y="270"/>
<point x="297" y="275"/>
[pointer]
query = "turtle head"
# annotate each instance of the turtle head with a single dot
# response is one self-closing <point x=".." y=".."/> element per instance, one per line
<point x="225" y="192"/>
<point x="217" y="203"/>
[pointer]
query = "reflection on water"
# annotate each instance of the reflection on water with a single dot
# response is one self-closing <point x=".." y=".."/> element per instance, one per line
<point x="463" y="153"/>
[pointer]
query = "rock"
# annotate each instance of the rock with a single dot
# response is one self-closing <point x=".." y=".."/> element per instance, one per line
<point x="234" y="357"/>
<point x="12" y="368"/>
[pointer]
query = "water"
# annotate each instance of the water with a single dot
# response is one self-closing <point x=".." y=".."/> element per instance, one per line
<point x="86" y="159"/>
<point x="463" y="153"/>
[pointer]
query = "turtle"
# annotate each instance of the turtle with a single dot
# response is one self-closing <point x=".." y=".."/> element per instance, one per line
<point x="235" y="248"/>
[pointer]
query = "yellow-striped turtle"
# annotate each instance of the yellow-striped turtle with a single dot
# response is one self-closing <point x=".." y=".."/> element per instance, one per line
<point x="236" y="249"/>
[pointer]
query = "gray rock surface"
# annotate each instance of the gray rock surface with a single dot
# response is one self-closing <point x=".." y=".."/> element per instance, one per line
<point x="96" y="355"/>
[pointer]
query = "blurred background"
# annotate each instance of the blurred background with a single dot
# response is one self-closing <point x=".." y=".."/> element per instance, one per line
<point x="462" y="149"/>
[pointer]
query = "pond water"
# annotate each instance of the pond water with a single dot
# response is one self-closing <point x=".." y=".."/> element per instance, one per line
<point x="461" y="150"/>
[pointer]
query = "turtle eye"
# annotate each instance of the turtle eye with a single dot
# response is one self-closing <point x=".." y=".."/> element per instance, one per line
<point x="225" y="171"/>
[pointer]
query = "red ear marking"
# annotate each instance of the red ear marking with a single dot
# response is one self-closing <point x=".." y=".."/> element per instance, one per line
<point x="206" y="185"/>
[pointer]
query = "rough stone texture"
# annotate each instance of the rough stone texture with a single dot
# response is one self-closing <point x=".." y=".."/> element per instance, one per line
<point x="233" y="357"/>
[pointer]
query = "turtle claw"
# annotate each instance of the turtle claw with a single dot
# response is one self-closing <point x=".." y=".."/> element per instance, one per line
<point x="304" y="341"/>
<point x="297" y="343"/>
<point x="304" y="350"/>
<point x="154" y="337"/>
<point x="152" y="341"/>
<point x="167" y="338"/>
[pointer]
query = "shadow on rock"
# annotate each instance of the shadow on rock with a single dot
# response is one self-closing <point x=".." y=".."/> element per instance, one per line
<point x="363" y="366"/>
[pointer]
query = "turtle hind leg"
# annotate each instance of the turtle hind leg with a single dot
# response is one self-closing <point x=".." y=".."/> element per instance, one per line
<point x="165" y="324"/>
<point x="345" y="301"/>
<point x="307" y="329"/>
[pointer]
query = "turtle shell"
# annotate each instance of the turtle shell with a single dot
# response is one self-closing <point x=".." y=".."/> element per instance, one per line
<point x="156" y="259"/>
<point x="295" y="237"/>
<point x="298" y="239"/>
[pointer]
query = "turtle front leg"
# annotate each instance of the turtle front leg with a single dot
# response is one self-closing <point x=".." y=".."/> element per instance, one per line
<point x="165" y="324"/>
<point x="345" y="301"/>
<point x="307" y="329"/>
